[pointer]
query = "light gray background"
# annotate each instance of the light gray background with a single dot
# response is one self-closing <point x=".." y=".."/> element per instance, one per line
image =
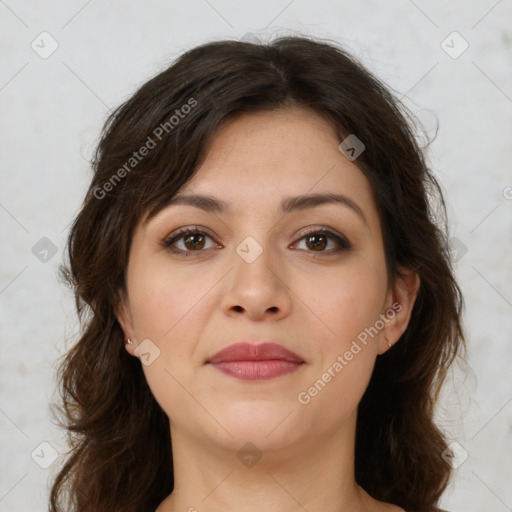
<point x="51" y="113"/>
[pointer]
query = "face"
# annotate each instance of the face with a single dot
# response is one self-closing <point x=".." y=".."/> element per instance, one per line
<point x="307" y="275"/>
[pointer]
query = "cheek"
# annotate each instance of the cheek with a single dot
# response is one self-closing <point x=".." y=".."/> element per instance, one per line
<point x="348" y="304"/>
<point x="169" y="308"/>
<point x="333" y="396"/>
<point x="345" y="361"/>
<point x="166" y="309"/>
<point x="163" y="302"/>
<point x="345" y="301"/>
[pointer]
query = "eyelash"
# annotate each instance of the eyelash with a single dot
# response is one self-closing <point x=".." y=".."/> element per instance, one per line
<point x="342" y="242"/>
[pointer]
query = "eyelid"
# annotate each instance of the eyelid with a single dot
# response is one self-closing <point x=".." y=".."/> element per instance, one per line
<point x="183" y="231"/>
<point x="341" y="240"/>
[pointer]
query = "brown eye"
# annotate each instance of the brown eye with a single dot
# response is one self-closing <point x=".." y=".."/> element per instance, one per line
<point x="196" y="241"/>
<point x="193" y="240"/>
<point x="318" y="240"/>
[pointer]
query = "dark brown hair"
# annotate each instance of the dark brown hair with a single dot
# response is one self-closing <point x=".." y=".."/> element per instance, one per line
<point x="120" y="454"/>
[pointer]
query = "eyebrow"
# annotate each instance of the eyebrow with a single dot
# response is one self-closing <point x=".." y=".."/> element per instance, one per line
<point x="288" y="205"/>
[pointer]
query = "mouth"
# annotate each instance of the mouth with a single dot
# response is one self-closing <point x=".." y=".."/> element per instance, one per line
<point x="247" y="361"/>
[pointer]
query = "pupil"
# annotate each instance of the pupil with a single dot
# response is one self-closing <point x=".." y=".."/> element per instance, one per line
<point x="318" y="244"/>
<point x="193" y="237"/>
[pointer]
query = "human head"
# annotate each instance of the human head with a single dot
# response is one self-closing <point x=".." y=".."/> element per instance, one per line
<point x="176" y="117"/>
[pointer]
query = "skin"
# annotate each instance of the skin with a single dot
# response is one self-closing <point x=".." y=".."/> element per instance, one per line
<point x="304" y="296"/>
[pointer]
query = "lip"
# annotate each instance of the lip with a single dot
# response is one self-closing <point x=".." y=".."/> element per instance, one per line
<point x="249" y="361"/>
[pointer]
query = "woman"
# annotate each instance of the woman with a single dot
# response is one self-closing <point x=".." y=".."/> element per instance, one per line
<point x="268" y="306"/>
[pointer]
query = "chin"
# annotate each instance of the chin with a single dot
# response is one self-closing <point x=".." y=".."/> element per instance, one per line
<point x="268" y="425"/>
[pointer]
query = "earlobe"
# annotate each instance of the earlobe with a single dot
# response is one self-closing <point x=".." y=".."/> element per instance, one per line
<point x="124" y="317"/>
<point x="400" y="304"/>
<point x="129" y="345"/>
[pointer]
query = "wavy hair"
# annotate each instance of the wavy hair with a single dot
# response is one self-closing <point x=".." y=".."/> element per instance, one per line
<point x="120" y="457"/>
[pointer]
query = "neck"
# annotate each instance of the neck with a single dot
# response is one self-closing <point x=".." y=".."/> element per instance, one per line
<point x="317" y="474"/>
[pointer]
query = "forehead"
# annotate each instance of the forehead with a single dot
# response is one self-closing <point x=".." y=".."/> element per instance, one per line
<point x="265" y="153"/>
<point x="258" y="161"/>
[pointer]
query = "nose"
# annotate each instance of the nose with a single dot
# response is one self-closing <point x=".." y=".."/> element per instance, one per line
<point x="258" y="288"/>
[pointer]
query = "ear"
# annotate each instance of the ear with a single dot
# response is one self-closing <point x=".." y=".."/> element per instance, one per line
<point x="125" y="318"/>
<point x="398" y="310"/>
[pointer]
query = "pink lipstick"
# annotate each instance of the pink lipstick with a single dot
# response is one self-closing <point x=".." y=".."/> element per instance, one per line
<point x="256" y="362"/>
